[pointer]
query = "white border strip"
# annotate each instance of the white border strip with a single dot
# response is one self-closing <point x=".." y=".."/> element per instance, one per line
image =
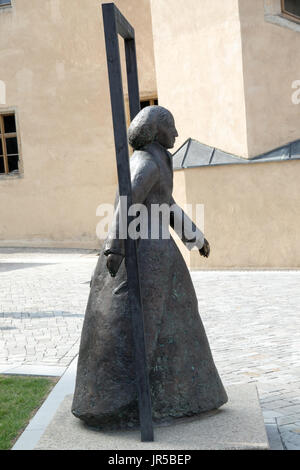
<point x="39" y="423"/>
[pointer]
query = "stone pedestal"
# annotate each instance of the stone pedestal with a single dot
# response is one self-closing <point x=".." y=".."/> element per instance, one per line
<point x="237" y="425"/>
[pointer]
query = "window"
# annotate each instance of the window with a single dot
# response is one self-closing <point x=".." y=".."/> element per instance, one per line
<point x="9" y="153"/>
<point x="283" y="13"/>
<point x="291" y="8"/>
<point x="4" y="3"/>
<point x="149" y="102"/>
<point x="145" y="101"/>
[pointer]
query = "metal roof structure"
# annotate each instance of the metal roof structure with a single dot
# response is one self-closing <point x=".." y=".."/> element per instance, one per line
<point x="194" y="154"/>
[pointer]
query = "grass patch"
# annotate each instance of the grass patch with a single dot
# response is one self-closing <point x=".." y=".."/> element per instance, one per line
<point x="20" y="398"/>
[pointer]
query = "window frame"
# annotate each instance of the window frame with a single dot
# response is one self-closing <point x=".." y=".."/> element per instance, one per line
<point x="287" y="14"/>
<point x="149" y="97"/>
<point x="7" y="135"/>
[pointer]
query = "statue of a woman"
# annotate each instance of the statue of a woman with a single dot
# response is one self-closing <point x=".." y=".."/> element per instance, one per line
<point x="183" y="378"/>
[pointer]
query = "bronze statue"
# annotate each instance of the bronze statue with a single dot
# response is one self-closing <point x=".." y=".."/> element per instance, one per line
<point x="183" y="378"/>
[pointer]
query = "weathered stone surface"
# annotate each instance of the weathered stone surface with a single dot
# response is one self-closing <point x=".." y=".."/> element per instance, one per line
<point x="237" y="425"/>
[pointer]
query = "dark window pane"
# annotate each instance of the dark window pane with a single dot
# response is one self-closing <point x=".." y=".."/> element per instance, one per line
<point x="9" y="124"/>
<point x="292" y="6"/>
<point x="2" y="165"/>
<point x="145" y="103"/>
<point x="12" y="146"/>
<point x="156" y="102"/>
<point x="5" y="2"/>
<point x="1" y="151"/>
<point x="13" y="163"/>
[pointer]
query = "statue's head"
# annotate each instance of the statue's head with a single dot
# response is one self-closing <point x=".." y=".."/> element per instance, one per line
<point x="152" y="124"/>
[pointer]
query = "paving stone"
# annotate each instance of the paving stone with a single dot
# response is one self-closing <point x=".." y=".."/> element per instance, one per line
<point x="271" y="414"/>
<point x="278" y="404"/>
<point x="287" y="410"/>
<point x="290" y="439"/>
<point x="40" y="370"/>
<point x="274" y="436"/>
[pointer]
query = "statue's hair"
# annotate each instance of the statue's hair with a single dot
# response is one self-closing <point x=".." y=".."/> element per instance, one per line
<point x="144" y="127"/>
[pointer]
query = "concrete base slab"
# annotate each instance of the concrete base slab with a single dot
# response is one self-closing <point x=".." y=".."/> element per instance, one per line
<point x="237" y="425"/>
<point x="41" y="370"/>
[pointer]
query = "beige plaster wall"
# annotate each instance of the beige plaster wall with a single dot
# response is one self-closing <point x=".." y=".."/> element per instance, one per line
<point x="227" y="73"/>
<point x="271" y="63"/>
<point x="252" y="217"/>
<point x="198" y="56"/>
<point x="52" y="59"/>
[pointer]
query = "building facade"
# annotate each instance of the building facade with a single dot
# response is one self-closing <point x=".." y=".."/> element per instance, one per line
<point x="228" y="71"/>
<point x="53" y="65"/>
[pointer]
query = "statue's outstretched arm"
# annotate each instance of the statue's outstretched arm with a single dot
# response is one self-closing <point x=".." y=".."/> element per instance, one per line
<point x="187" y="231"/>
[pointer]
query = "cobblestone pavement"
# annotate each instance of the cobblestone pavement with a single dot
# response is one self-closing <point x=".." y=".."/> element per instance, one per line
<point x="42" y="303"/>
<point x="252" y="320"/>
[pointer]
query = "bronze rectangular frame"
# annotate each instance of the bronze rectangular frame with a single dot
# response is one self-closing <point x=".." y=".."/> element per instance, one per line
<point x="115" y="24"/>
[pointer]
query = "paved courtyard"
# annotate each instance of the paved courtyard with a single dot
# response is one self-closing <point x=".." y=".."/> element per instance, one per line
<point x="252" y="319"/>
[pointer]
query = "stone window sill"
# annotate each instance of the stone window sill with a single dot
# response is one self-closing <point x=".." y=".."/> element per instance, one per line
<point x="283" y="21"/>
<point x="5" y="7"/>
<point x="11" y="176"/>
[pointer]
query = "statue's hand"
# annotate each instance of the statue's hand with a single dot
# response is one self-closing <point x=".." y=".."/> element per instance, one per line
<point x="205" y="250"/>
<point x="113" y="263"/>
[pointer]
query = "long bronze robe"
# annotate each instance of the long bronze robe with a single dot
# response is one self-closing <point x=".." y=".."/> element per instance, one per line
<point x="183" y="378"/>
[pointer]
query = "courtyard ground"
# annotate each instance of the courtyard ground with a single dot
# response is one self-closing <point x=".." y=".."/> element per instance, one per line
<point x="252" y="320"/>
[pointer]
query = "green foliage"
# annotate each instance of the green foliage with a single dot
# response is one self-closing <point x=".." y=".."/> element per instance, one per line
<point x="20" y="397"/>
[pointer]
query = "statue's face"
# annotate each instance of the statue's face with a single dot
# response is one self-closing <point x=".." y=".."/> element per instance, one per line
<point x="167" y="133"/>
